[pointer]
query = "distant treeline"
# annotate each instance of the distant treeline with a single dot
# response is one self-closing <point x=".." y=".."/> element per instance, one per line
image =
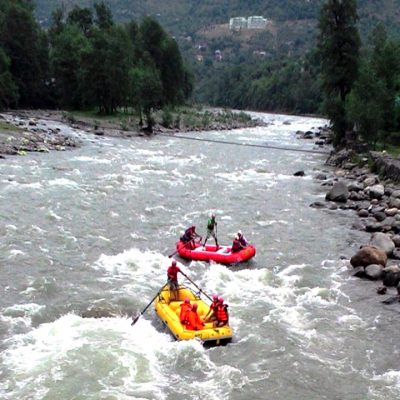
<point x="357" y="85"/>
<point x="86" y="60"/>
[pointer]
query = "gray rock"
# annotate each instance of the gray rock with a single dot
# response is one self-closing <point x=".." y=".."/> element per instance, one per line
<point x="396" y="240"/>
<point x="363" y="213"/>
<point x="321" y="176"/>
<point x="359" y="272"/>
<point x="391" y="212"/>
<point x="382" y="241"/>
<point x="299" y="173"/>
<point x="396" y="254"/>
<point x="394" y="202"/>
<point x="355" y="187"/>
<point x="379" y="216"/>
<point x="370" y="180"/>
<point x="396" y="194"/>
<point x="339" y="193"/>
<point x="376" y="191"/>
<point x="374" y="272"/>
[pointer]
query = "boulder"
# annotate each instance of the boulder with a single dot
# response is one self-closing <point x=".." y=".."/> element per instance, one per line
<point x="339" y="193"/>
<point x="321" y="176"/>
<point x="376" y="191"/>
<point x="318" y="204"/>
<point x="396" y="254"/>
<point x="396" y="194"/>
<point x="382" y="241"/>
<point x="391" y="278"/>
<point x="359" y="272"/>
<point x="368" y="255"/>
<point x="363" y="213"/>
<point x="374" y="272"/>
<point x="299" y="173"/>
<point x="370" y="180"/>
<point x="379" y="216"/>
<point x="355" y="187"/>
<point x="394" y="202"/>
<point x="391" y="212"/>
<point x="396" y="240"/>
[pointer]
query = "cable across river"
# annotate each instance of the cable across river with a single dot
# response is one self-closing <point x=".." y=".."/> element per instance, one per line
<point x="265" y="146"/>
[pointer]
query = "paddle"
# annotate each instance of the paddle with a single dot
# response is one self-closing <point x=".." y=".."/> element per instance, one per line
<point x="173" y="254"/>
<point x="148" y="305"/>
<point x="201" y="290"/>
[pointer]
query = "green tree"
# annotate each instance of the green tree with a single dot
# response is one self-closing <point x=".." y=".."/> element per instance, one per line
<point x="8" y="88"/>
<point x="366" y="104"/>
<point x="66" y="60"/>
<point x="339" y="44"/>
<point x="104" y="18"/>
<point x="81" y="17"/>
<point x="26" y="47"/>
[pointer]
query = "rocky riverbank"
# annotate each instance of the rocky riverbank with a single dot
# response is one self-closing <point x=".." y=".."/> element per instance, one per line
<point x="375" y="198"/>
<point x="25" y="131"/>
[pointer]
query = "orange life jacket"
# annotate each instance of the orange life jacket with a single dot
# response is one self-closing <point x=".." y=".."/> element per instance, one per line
<point x="185" y="309"/>
<point x="194" y="323"/>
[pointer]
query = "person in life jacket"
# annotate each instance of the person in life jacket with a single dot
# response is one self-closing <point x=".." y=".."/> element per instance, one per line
<point x="172" y="277"/>
<point x="194" y="323"/>
<point x="211" y="230"/>
<point x="190" y="236"/>
<point x="212" y="312"/>
<point x="242" y="239"/>
<point x="185" y="309"/>
<point x="222" y="313"/>
<point x="236" y="245"/>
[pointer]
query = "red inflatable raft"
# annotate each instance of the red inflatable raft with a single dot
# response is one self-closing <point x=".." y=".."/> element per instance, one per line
<point x="222" y="256"/>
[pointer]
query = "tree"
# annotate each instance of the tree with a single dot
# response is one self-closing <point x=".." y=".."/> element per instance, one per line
<point x="339" y="44"/>
<point x="104" y="18"/>
<point x="26" y="47"/>
<point x="367" y="104"/>
<point x="82" y="17"/>
<point x="66" y="60"/>
<point x="8" y="88"/>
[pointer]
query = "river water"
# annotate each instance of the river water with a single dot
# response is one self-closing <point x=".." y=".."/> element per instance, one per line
<point x="85" y="238"/>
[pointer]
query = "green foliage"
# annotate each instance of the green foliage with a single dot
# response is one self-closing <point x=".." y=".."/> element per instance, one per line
<point x="338" y="43"/>
<point x="167" y="118"/>
<point x="8" y="88"/>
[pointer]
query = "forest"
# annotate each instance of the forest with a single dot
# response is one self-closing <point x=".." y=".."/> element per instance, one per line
<point x="86" y="60"/>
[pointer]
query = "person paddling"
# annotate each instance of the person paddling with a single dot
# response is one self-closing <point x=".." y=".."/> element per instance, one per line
<point x="190" y="236"/>
<point x="172" y="276"/>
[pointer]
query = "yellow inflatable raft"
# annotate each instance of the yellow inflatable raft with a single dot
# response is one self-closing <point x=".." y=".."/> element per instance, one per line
<point x="169" y="311"/>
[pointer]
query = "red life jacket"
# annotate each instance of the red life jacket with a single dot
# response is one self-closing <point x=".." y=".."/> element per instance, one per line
<point x="185" y="309"/>
<point x="194" y="323"/>
<point x="236" y="246"/>
<point x="222" y="313"/>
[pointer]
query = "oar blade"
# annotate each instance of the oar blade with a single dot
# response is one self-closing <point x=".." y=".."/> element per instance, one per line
<point x="135" y="320"/>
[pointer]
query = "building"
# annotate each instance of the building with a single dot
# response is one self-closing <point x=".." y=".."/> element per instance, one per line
<point x="237" y="23"/>
<point x="256" y="22"/>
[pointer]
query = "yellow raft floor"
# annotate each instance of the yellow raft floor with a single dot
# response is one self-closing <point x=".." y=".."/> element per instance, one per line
<point x="169" y="311"/>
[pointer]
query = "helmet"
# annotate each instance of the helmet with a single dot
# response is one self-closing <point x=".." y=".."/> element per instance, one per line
<point x="236" y="237"/>
<point x="194" y="307"/>
<point x="174" y="263"/>
<point x="193" y="227"/>
<point x="187" y="300"/>
<point x="215" y="297"/>
<point x="239" y="233"/>
<point x="220" y="299"/>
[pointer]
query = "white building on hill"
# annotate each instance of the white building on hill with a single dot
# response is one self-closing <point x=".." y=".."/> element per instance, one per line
<point x="256" y="22"/>
<point x="237" y="23"/>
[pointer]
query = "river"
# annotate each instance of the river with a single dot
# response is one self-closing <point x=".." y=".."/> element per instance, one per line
<point x="85" y="239"/>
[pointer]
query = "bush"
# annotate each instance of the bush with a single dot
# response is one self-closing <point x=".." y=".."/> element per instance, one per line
<point x="167" y="118"/>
